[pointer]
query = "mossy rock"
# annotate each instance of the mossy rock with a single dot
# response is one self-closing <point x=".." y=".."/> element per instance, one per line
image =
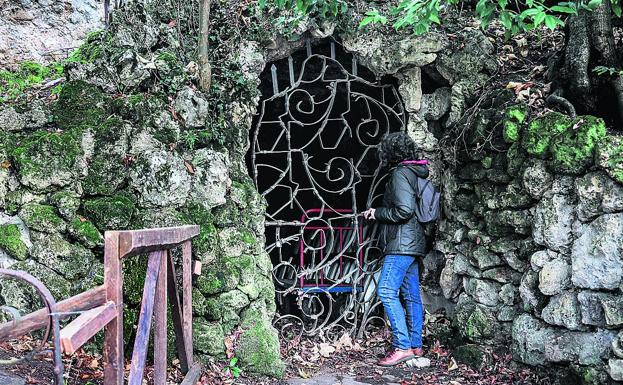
<point x="66" y="203"/>
<point x="23" y="297"/>
<point x="11" y="242"/>
<point x="206" y="245"/>
<point x="208" y="337"/>
<point x="45" y="160"/>
<point x="472" y="355"/>
<point x="110" y="213"/>
<point x="80" y="106"/>
<point x="542" y="131"/>
<point x="573" y="152"/>
<point x="515" y="157"/>
<point x="70" y="260"/>
<point x="82" y="230"/>
<point x="42" y="218"/>
<point x="610" y="156"/>
<point x="514" y="116"/>
<point x="258" y="348"/>
<point x="106" y="170"/>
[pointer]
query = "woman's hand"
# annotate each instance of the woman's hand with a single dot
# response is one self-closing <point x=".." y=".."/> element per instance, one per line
<point x="369" y="213"/>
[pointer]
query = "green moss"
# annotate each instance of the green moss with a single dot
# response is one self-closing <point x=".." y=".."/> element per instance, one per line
<point x="609" y="156"/>
<point x="80" y="106"/>
<point x="542" y="131"/>
<point x="29" y="74"/>
<point x="45" y="159"/>
<point x="515" y="157"/>
<point x="258" y="348"/>
<point x="85" y="232"/>
<point x="13" y="202"/>
<point x="41" y="218"/>
<point x="11" y="242"/>
<point x="478" y="325"/>
<point x="91" y="49"/>
<point x="514" y="116"/>
<point x="110" y="213"/>
<point x="106" y="169"/>
<point x="208" y="337"/>
<point x="211" y="282"/>
<point x="574" y="151"/>
<point x="207" y="242"/>
<point x="66" y="203"/>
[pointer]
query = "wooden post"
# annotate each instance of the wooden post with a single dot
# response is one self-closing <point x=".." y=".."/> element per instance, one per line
<point x="141" y="342"/>
<point x="113" y="335"/>
<point x="176" y="310"/>
<point x="160" y="324"/>
<point x="187" y="300"/>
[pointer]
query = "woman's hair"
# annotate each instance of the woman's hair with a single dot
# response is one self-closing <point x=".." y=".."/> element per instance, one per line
<point x="396" y="147"/>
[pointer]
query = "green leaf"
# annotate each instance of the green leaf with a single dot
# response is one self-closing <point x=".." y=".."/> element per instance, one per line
<point x="530" y="12"/>
<point x="506" y="19"/>
<point x="434" y="18"/>
<point x="616" y="7"/>
<point x="564" y="9"/>
<point x="552" y="21"/>
<point x="538" y="19"/>
<point x="593" y="4"/>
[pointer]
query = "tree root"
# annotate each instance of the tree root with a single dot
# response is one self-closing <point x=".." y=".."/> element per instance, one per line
<point x="556" y="99"/>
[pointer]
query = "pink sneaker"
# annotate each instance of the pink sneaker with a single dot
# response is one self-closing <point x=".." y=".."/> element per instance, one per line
<point x="396" y="356"/>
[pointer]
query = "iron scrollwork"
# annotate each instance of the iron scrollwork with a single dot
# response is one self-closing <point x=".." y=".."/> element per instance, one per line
<point x="313" y="157"/>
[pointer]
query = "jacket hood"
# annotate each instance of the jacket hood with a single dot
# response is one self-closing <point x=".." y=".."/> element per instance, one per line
<point x="420" y="170"/>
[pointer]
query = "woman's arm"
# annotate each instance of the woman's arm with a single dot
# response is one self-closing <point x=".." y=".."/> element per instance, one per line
<point x="403" y="198"/>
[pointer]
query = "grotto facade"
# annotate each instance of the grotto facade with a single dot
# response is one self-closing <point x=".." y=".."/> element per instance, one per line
<point x="527" y="254"/>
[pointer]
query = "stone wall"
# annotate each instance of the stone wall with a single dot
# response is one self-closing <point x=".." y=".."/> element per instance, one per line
<point x="532" y="241"/>
<point x="129" y="142"/>
<point x="45" y="30"/>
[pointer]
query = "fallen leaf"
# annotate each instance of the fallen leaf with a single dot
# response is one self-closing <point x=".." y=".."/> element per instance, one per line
<point x="189" y="167"/>
<point x="325" y="350"/>
<point x="452" y="365"/>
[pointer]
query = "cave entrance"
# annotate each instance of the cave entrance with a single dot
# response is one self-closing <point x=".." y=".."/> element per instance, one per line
<point x="313" y="156"/>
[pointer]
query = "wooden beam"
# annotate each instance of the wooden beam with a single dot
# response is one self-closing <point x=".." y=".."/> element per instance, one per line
<point x="85" y="326"/>
<point x="39" y="319"/>
<point x="141" y="342"/>
<point x="160" y="324"/>
<point x="176" y="312"/>
<point x="187" y="298"/>
<point x="134" y="242"/>
<point x="193" y="375"/>
<point x="113" y="333"/>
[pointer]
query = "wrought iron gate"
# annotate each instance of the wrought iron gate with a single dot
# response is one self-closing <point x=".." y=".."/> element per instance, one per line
<point x="313" y="156"/>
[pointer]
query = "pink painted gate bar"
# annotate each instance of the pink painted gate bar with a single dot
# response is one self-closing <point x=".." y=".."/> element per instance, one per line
<point x="342" y="231"/>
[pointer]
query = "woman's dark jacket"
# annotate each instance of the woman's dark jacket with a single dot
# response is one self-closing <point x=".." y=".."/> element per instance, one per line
<point x="400" y="232"/>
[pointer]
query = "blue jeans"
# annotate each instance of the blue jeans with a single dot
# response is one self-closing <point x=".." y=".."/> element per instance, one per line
<point x="400" y="274"/>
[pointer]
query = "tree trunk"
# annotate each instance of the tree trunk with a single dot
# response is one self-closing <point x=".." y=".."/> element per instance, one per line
<point x="590" y="43"/>
<point x="205" y="70"/>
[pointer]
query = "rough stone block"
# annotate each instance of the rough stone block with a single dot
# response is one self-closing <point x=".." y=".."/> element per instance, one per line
<point x="555" y="277"/>
<point x="579" y="347"/>
<point x="563" y="310"/>
<point x="596" y="255"/>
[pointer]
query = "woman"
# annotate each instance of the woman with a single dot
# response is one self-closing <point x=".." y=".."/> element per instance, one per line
<point x="403" y="242"/>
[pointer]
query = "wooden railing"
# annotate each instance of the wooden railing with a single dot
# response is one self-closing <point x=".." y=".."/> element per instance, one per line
<point x="102" y="307"/>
